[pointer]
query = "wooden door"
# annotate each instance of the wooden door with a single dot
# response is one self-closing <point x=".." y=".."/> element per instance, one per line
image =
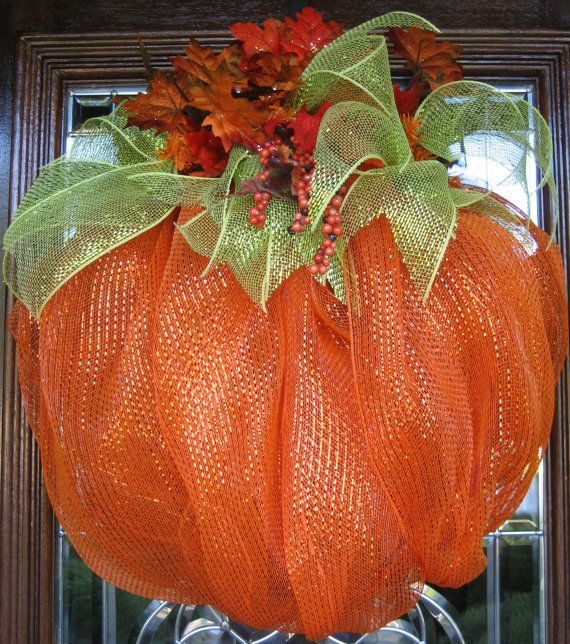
<point x="49" y="48"/>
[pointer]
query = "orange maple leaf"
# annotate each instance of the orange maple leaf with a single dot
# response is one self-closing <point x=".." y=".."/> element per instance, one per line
<point x="257" y="40"/>
<point x="202" y="62"/>
<point x="162" y="107"/>
<point x="411" y="126"/>
<point x="232" y="119"/>
<point x="309" y="34"/>
<point x="177" y="150"/>
<point x="198" y="62"/>
<point x="302" y="37"/>
<point x="435" y="62"/>
<point x="269" y="70"/>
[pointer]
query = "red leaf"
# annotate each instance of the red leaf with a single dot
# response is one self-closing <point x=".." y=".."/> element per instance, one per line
<point x="270" y="126"/>
<point x="206" y="150"/>
<point x="306" y="127"/>
<point x="408" y="100"/>
<point x="197" y="152"/>
<point x="309" y="34"/>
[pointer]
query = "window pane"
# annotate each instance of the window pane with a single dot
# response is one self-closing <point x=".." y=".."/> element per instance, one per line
<point x="504" y="604"/>
<point x="520" y="589"/>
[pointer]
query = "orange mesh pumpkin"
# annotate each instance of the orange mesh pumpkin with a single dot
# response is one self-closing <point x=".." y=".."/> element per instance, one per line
<point x="305" y="469"/>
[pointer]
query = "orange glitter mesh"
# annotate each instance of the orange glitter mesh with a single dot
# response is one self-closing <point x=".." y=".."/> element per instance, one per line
<point x="305" y="469"/>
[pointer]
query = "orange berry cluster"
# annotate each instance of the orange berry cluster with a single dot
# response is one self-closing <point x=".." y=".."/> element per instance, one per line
<point x="257" y="213"/>
<point x="330" y="230"/>
<point x="302" y="187"/>
<point x="268" y="155"/>
<point x="331" y="224"/>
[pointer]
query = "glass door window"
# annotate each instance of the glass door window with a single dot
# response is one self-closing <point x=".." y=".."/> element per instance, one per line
<point x="505" y="604"/>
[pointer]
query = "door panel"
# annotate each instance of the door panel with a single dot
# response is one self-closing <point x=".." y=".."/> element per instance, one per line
<point x="48" y="68"/>
<point x="506" y="603"/>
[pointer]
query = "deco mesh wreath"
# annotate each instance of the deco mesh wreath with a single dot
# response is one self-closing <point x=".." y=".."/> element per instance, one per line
<point x="276" y="359"/>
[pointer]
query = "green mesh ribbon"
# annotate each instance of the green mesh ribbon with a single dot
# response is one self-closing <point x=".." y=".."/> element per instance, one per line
<point x="83" y="205"/>
<point x="474" y="120"/>
<point x="356" y="67"/>
<point x="112" y="187"/>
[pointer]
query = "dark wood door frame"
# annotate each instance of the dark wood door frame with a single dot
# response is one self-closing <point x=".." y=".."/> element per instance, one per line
<point x="47" y="66"/>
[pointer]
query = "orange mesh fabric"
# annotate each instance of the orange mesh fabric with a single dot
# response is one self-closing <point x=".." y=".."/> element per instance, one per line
<point x="305" y="469"/>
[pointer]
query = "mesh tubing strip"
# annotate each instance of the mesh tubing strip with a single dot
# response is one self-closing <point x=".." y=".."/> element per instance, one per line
<point x="305" y="468"/>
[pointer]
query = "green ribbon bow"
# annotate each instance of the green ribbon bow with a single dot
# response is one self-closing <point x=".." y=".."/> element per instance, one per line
<point x="112" y="187"/>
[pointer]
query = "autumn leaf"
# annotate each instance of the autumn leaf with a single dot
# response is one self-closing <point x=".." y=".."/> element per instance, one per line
<point x="434" y="62"/>
<point x="257" y="40"/>
<point x="308" y="34"/>
<point x="195" y="152"/>
<point x="202" y="62"/>
<point x="162" y="107"/>
<point x="306" y="127"/>
<point x="411" y="127"/>
<point x="408" y="100"/>
<point x="263" y="62"/>
<point x="303" y="37"/>
<point x="206" y="150"/>
<point x="198" y="62"/>
<point x="249" y="186"/>
<point x="177" y="150"/>
<point x="270" y="125"/>
<point x="233" y="120"/>
<point x="280" y="181"/>
<point x="269" y="70"/>
<point x="231" y="57"/>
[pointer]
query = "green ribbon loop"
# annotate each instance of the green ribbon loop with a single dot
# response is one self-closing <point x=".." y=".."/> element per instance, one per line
<point x="350" y="134"/>
<point x="82" y="206"/>
<point x="112" y="186"/>
<point x="175" y="189"/>
<point x="475" y="120"/>
<point x="356" y="66"/>
<point x="418" y="204"/>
